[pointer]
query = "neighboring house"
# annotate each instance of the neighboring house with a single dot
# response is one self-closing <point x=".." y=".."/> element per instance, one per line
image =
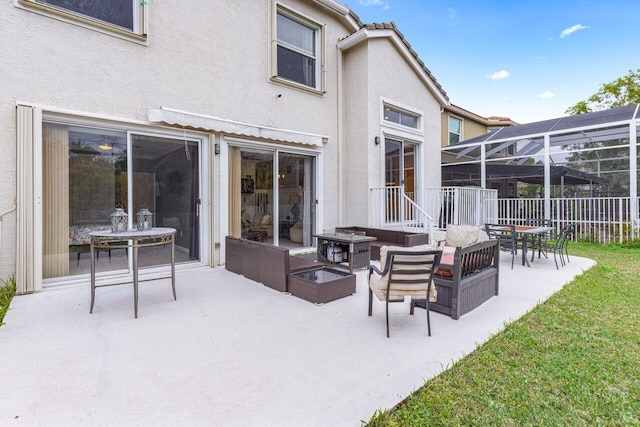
<point x="219" y="119"/>
<point x="458" y="125"/>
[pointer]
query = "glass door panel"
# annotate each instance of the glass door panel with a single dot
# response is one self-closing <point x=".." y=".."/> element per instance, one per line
<point x="166" y="180"/>
<point x="83" y="169"/>
<point x="296" y="200"/>
<point x="400" y="167"/>
<point x="393" y="178"/>
<point x="251" y="194"/>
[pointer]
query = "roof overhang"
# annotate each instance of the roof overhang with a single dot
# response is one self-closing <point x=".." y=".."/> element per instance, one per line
<point x="185" y="119"/>
<point x="341" y="10"/>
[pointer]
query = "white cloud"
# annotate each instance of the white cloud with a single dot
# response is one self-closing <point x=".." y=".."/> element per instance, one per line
<point x="384" y="4"/>
<point x="537" y="58"/>
<point x="547" y="94"/>
<point x="453" y="14"/>
<point x="571" y="30"/>
<point x="498" y="75"/>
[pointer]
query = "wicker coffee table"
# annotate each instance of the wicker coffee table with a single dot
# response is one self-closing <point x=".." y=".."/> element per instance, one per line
<point x="321" y="285"/>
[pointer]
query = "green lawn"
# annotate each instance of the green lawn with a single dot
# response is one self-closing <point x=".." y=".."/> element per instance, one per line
<point x="7" y="291"/>
<point x="572" y="361"/>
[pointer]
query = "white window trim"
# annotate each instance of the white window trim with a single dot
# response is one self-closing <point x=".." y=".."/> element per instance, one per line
<point x="139" y="33"/>
<point x="418" y="130"/>
<point x="320" y="44"/>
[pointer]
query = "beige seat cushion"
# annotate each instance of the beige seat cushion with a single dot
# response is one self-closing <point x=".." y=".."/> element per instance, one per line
<point x="378" y="283"/>
<point x="461" y="235"/>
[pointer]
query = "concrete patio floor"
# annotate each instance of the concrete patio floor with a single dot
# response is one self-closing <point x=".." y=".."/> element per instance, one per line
<point x="231" y="352"/>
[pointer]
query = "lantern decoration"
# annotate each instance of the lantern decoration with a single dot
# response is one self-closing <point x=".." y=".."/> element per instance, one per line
<point x="119" y="221"/>
<point x="144" y="219"/>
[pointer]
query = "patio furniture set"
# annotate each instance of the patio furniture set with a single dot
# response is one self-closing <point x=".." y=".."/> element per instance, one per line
<point x="452" y="278"/>
<point x="538" y="234"/>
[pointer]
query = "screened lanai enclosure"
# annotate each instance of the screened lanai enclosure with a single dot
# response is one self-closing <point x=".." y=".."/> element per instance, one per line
<point x="579" y="169"/>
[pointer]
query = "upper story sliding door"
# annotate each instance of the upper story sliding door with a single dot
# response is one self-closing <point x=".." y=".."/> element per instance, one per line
<point x="400" y="170"/>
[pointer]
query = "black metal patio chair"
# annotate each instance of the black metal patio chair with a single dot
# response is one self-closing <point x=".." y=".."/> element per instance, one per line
<point x="540" y="242"/>
<point x="404" y="273"/>
<point x="508" y="237"/>
<point x="559" y="245"/>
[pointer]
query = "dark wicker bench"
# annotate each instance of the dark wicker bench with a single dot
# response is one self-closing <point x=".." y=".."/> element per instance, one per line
<point x="472" y="280"/>
<point x="263" y="263"/>
<point x="389" y="238"/>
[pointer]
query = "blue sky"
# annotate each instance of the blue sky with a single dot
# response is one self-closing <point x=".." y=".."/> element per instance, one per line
<point x="527" y="60"/>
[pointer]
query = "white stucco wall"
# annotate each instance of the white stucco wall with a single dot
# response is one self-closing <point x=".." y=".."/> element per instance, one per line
<point x="359" y="151"/>
<point x="386" y="74"/>
<point x="209" y="58"/>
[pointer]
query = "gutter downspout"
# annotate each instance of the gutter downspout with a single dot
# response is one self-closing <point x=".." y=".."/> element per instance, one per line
<point x="2" y="217"/>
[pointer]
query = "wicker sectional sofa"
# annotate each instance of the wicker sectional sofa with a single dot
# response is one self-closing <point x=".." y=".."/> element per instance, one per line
<point x="264" y="263"/>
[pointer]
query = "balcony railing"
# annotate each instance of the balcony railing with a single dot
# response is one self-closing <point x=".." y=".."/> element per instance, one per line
<point x="461" y="205"/>
<point x="394" y="209"/>
<point x="597" y="219"/>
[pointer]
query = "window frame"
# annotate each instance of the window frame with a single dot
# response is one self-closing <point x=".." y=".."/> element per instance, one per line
<point x="319" y="45"/>
<point x="140" y="19"/>
<point x="406" y="112"/>
<point x="449" y="128"/>
<point x="31" y="161"/>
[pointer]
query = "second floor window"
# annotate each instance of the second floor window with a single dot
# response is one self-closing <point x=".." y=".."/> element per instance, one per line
<point x="455" y="130"/>
<point x="400" y="117"/>
<point x="120" y="13"/>
<point x="298" y="50"/>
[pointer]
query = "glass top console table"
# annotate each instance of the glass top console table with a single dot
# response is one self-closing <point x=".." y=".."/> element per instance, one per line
<point x="338" y="248"/>
<point x="106" y="239"/>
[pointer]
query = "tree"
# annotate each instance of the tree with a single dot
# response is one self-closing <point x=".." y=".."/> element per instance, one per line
<point x="623" y="91"/>
<point x="609" y="163"/>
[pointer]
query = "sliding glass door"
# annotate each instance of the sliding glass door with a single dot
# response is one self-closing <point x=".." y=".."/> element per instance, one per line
<point x="89" y="171"/>
<point x="400" y="168"/>
<point x="272" y="196"/>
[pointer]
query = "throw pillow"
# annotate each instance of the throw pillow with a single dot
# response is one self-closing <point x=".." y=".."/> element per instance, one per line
<point x="461" y="235"/>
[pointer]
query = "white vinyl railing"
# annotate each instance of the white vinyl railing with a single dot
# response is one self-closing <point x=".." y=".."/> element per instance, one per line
<point x="598" y="219"/>
<point x="461" y="205"/>
<point x="393" y="209"/>
<point x="601" y="219"/>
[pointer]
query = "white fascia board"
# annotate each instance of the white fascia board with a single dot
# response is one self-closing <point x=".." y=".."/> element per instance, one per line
<point x="341" y="10"/>
<point x="334" y="6"/>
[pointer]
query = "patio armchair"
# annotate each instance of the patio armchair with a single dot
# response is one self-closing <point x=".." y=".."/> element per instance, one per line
<point x="508" y="238"/>
<point x="404" y="272"/>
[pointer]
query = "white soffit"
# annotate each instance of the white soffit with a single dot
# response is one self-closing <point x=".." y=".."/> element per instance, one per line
<point x="231" y="127"/>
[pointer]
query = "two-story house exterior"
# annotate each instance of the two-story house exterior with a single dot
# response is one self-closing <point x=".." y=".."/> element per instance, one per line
<point x="220" y="120"/>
